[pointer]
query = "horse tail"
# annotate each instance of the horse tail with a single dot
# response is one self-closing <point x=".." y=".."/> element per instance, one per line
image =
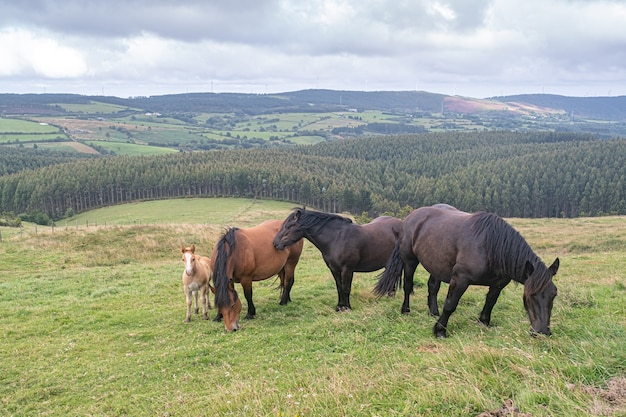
<point x="389" y="281"/>
<point x="220" y="274"/>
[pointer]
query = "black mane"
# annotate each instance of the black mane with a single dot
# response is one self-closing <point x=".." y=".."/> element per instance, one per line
<point x="312" y="221"/>
<point x="508" y="251"/>
<point x="220" y="278"/>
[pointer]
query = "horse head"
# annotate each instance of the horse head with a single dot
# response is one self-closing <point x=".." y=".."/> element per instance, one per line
<point x="230" y="311"/>
<point x="189" y="258"/>
<point x="227" y="301"/>
<point x="539" y="294"/>
<point x="290" y="232"/>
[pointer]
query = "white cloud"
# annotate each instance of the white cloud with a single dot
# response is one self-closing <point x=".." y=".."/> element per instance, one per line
<point x="26" y="53"/>
<point x="474" y="47"/>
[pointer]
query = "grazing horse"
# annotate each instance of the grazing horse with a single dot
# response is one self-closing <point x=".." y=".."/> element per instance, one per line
<point x="196" y="277"/>
<point x="465" y="249"/>
<point x="247" y="255"/>
<point x="346" y="247"/>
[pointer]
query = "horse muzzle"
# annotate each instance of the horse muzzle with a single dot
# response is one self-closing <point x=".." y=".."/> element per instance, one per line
<point x="279" y="245"/>
<point x="534" y="332"/>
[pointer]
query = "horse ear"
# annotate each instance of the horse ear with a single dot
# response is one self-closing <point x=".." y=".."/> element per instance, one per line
<point x="212" y="288"/>
<point x="182" y="248"/>
<point x="555" y="266"/>
<point x="193" y="248"/>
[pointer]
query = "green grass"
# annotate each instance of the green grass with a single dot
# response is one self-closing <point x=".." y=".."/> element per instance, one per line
<point x="131" y="149"/>
<point x="25" y="126"/>
<point x="12" y="130"/>
<point x="93" y="107"/>
<point x="92" y="324"/>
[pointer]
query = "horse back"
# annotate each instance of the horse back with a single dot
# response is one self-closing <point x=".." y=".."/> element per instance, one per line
<point x="256" y="256"/>
<point x="437" y="237"/>
<point x="367" y="247"/>
<point x="204" y="268"/>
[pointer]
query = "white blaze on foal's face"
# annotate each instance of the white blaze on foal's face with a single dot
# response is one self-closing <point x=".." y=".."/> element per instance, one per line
<point x="189" y="259"/>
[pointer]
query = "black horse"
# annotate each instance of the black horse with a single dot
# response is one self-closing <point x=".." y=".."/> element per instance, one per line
<point x="345" y="246"/>
<point x="465" y="249"/>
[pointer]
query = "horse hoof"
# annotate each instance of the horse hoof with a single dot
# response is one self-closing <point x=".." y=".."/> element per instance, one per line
<point x="187" y="320"/>
<point x="205" y="317"/>
<point x="249" y="317"/>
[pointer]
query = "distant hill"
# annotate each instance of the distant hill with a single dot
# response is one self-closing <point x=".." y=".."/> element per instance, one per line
<point x="598" y="108"/>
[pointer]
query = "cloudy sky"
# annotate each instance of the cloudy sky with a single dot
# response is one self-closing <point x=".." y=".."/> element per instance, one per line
<point x="473" y="48"/>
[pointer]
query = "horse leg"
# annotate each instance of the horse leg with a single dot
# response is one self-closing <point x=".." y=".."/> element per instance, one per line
<point x="433" y="290"/>
<point x="205" y="302"/>
<point x="189" y="302"/>
<point x="409" y="273"/>
<point x="346" y="287"/>
<point x="337" y="277"/>
<point x="286" y="282"/>
<point x="490" y="301"/>
<point x="195" y="296"/>
<point x="458" y="286"/>
<point x="247" y="292"/>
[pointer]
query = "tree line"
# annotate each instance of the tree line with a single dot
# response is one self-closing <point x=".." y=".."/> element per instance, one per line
<point x="514" y="174"/>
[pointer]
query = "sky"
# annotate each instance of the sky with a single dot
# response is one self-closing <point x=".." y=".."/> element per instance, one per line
<point x="470" y="48"/>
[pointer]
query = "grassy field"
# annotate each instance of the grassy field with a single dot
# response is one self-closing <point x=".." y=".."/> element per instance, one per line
<point x="130" y="149"/>
<point x="92" y="324"/>
<point x="12" y="130"/>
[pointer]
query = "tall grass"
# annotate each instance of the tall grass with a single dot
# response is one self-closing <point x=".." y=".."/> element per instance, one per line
<point x="92" y="324"/>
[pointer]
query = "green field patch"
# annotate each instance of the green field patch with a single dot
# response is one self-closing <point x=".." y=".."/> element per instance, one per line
<point x="185" y="210"/>
<point x="62" y="146"/>
<point x="306" y="140"/>
<point x="8" y="126"/>
<point x="333" y="121"/>
<point x="31" y="137"/>
<point x="93" y="107"/>
<point x="130" y="149"/>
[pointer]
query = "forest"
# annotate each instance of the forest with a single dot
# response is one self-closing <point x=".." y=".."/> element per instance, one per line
<point x="540" y="174"/>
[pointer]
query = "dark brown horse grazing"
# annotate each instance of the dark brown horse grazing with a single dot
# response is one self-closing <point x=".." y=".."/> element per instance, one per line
<point x="247" y="255"/>
<point x="346" y="247"/>
<point x="465" y="249"/>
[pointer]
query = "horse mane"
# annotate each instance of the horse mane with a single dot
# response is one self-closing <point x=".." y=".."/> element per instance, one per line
<point x="508" y="251"/>
<point x="313" y="221"/>
<point x="220" y="277"/>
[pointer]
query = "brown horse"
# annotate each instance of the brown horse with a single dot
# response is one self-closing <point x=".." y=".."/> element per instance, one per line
<point x="247" y="255"/>
<point x="465" y="249"/>
<point x="196" y="277"/>
<point x="345" y="246"/>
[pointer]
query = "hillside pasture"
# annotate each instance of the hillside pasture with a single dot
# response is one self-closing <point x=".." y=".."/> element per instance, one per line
<point x="28" y="131"/>
<point x="93" y="324"/>
<point x="94" y="107"/>
<point x="130" y="149"/>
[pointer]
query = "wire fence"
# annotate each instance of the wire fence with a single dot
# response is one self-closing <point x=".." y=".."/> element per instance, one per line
<point x="8" y="233"/>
